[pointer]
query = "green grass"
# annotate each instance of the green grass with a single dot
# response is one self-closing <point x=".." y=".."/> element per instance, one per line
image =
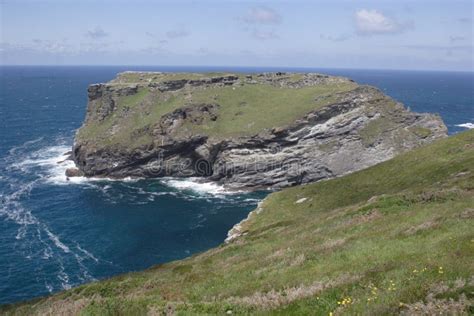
<point x="396" y="237"/>
<point x="373" y="131"/>
<point x="137" y="77"/>
<point x="134" y="99"/>
<point x="134" y="113"/>
<point x="421" y="131"/>
<point x="249" y="109"/>
<point x="245" y="109"/>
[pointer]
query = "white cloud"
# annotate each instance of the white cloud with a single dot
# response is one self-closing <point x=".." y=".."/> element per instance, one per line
<point x="457" y="48"/>
<point x="60" y="47"/>
<point x="264" y="35"/>
<point x="261" y="15"/>
<point x="338" y="38"/>
<point x="260" y="22"/>
<point x="177" y="33"/>
<point x="371" y="22"/>
<point x="49" y="46"/>
<point x="97" y="33"/>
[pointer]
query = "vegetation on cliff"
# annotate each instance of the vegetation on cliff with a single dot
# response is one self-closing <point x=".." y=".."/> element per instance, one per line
<point x="391" y="239"/>
<point x="247" y="104"/>
<point x="293" y="128"/>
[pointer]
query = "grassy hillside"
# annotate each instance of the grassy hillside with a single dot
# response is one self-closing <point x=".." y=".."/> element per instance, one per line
<point x="394" y="238"/>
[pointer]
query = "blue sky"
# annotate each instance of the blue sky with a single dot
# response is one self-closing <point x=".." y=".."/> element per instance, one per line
<point x="432" y="35"/>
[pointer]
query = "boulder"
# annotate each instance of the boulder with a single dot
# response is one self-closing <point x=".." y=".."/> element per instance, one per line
<point x="73" y="172"/>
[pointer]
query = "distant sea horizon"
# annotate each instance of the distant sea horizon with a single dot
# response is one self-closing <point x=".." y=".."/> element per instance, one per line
<point x="56" y="234"/>
<point x="225" y="68"/>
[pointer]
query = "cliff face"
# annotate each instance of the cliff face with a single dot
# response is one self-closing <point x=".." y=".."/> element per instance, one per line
<point x="245" y="131"/>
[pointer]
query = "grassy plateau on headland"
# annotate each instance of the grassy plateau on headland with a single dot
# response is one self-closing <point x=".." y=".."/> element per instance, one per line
<point x="244" y="109"/>
<point x="396" y="238"/>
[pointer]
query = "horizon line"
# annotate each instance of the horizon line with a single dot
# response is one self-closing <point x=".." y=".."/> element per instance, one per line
<point x="236" y="67"/>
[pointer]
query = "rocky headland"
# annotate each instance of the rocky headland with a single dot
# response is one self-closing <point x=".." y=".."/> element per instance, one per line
<point x="249" y="131"/>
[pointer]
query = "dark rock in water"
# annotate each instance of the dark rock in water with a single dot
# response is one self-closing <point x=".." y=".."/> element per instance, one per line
<point x="69" y="157"/>
<point x="162" y="124"/>
<point x="73" y="172"/>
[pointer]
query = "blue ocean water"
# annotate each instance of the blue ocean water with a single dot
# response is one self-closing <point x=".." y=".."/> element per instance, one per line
<point x="56" y="234"/>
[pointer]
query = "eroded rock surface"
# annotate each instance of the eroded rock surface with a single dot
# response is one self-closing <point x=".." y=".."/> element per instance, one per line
<point x="144" y="125"/>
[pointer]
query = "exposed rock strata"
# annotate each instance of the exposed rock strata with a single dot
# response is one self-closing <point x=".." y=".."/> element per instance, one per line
<point x="360" y="128"/>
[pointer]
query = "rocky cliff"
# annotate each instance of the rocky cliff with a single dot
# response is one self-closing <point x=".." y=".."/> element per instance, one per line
<point x="244" y="131"/>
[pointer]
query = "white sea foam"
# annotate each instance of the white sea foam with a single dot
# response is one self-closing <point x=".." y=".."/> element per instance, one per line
<point x="49" y="287"/>
<point x="51" y="161"/>
<point x="28" y="167"/>
<point x="24" y="145"/>
<point x="12" y="209"/>
<point x="198" y="186"/>
<point x="47" y="253"/>
<point x="54" y="162"/>
<point x="63" y="276"/>
<point x="466" y="125"/>
<point x="56" y="241"/>
<point x="87" y="253"/>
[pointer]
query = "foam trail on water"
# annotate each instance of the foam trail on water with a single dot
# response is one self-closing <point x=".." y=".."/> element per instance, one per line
<point x="49" y="287"/>
<point x="87" y="253"/>
<point x="466" y="125"/>
<point x="26" y="167"/>
<point x="53" y="162"/>
<point x="198" y="186"/>
<point x="24" y="145"/>
<point x="56" y="241"/>
<point x="31" y="166"/>
<point x="63" y="276"/>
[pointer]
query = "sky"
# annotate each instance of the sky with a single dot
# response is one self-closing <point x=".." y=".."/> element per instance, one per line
<point x="379" y="34"/>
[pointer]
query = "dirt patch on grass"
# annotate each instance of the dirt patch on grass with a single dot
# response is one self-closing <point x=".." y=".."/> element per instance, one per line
<point x="274" y="299"/>
<point x="362" y="218"/>
<point x="438" y="307"/>
<point x="64" y="307"/>
<point x="332" y="244"/>
<point x="467" y="214"/>
<point x="435" y="304"/>
<point x="436" y="195"/>
<point x="278" y="254"/>
<point x="298" y="260"/>
<point x="430" y="224"/>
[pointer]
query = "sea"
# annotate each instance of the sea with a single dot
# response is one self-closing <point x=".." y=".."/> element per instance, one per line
<point x="57" y="234"/>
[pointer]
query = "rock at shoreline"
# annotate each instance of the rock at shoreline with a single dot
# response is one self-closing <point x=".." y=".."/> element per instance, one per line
<point x="244" y="131"/>
<point x="74" y="172"/>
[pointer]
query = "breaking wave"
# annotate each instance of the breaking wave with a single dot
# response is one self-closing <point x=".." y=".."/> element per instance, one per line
<point x="466" y="125"/>
<point x="199" y="186"/>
